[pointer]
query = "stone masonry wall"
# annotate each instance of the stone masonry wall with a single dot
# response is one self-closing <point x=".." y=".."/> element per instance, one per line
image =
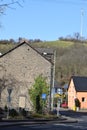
<point x="21" y="66"/>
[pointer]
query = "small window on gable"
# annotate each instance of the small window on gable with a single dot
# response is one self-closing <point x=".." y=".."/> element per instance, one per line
<point x="83" y="99"/>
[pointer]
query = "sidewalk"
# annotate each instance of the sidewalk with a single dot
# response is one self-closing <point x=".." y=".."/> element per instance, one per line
<point x="7" y="123"/>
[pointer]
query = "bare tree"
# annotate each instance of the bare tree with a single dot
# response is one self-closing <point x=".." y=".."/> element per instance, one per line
<point x="4" y="4"/>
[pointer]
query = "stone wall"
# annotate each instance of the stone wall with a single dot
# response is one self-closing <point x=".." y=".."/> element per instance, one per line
<point x="19" y="68"/>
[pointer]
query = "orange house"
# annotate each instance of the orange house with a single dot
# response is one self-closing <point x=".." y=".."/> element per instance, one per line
<point x="77" y="88"/>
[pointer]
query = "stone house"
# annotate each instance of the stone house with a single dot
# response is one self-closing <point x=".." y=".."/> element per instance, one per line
<point x="18" y="68"/>
<point x="77" y="88"/>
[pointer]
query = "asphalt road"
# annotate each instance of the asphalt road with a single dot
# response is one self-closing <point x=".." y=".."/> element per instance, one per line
<point x="80" y="116"/>
<point x="48" y="127"/>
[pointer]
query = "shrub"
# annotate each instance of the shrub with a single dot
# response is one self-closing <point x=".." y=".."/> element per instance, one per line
<point x="77" y="102"/>
<point x="13" y="113"/>
<point x="6" y="108"/>
<point x="22" y="112"/>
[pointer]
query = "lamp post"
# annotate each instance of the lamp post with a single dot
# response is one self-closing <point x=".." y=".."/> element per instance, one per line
<point x="9" y="90"/>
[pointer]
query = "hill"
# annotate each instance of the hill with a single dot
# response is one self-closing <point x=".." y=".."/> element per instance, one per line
<point x="71" y="57"/>
<point x="53" y="44"/>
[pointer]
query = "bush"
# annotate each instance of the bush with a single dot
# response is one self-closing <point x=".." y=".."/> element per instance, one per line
<point x="77" y="102"/>
<point x="22" y="112"/>
<point x="6" y="108"/>
<point x="13" y="113"/>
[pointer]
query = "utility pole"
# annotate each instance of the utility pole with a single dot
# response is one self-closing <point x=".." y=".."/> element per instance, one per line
<point x="52" y="91"/>
<point x="52" y="81"/>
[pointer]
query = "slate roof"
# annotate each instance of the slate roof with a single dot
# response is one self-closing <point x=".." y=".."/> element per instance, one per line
<point x="47" y="52"/>
<point x="80" y="83"/>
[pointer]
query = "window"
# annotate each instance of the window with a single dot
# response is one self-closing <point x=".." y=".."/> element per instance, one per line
<point x="83" y="99"/>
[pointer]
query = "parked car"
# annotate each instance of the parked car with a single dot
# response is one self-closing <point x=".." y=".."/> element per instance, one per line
<point x="64" y="105"/>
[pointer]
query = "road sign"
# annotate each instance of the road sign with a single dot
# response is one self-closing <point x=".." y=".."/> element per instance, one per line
<point x="43" y="96"/>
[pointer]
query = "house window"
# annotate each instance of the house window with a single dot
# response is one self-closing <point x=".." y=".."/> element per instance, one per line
<point x="83" y="99"/>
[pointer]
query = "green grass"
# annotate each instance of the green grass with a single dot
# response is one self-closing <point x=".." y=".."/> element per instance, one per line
<point x="46" y="116"/>
<point x="5" y="47"/>
<point x="54" y="44"/>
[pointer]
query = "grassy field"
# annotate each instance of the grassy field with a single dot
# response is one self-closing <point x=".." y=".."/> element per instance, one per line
<point x="57" y="43"/>
<point x="5" y="47"/>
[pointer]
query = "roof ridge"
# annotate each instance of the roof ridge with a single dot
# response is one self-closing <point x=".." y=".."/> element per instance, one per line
<point x="24" y="42"/>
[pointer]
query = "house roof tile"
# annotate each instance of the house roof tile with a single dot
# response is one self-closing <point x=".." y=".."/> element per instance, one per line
<point x="80" y="83"/>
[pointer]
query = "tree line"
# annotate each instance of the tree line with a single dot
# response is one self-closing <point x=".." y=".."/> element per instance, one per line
<point x="71" y="61"/>
<point x="75" y="38"/>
